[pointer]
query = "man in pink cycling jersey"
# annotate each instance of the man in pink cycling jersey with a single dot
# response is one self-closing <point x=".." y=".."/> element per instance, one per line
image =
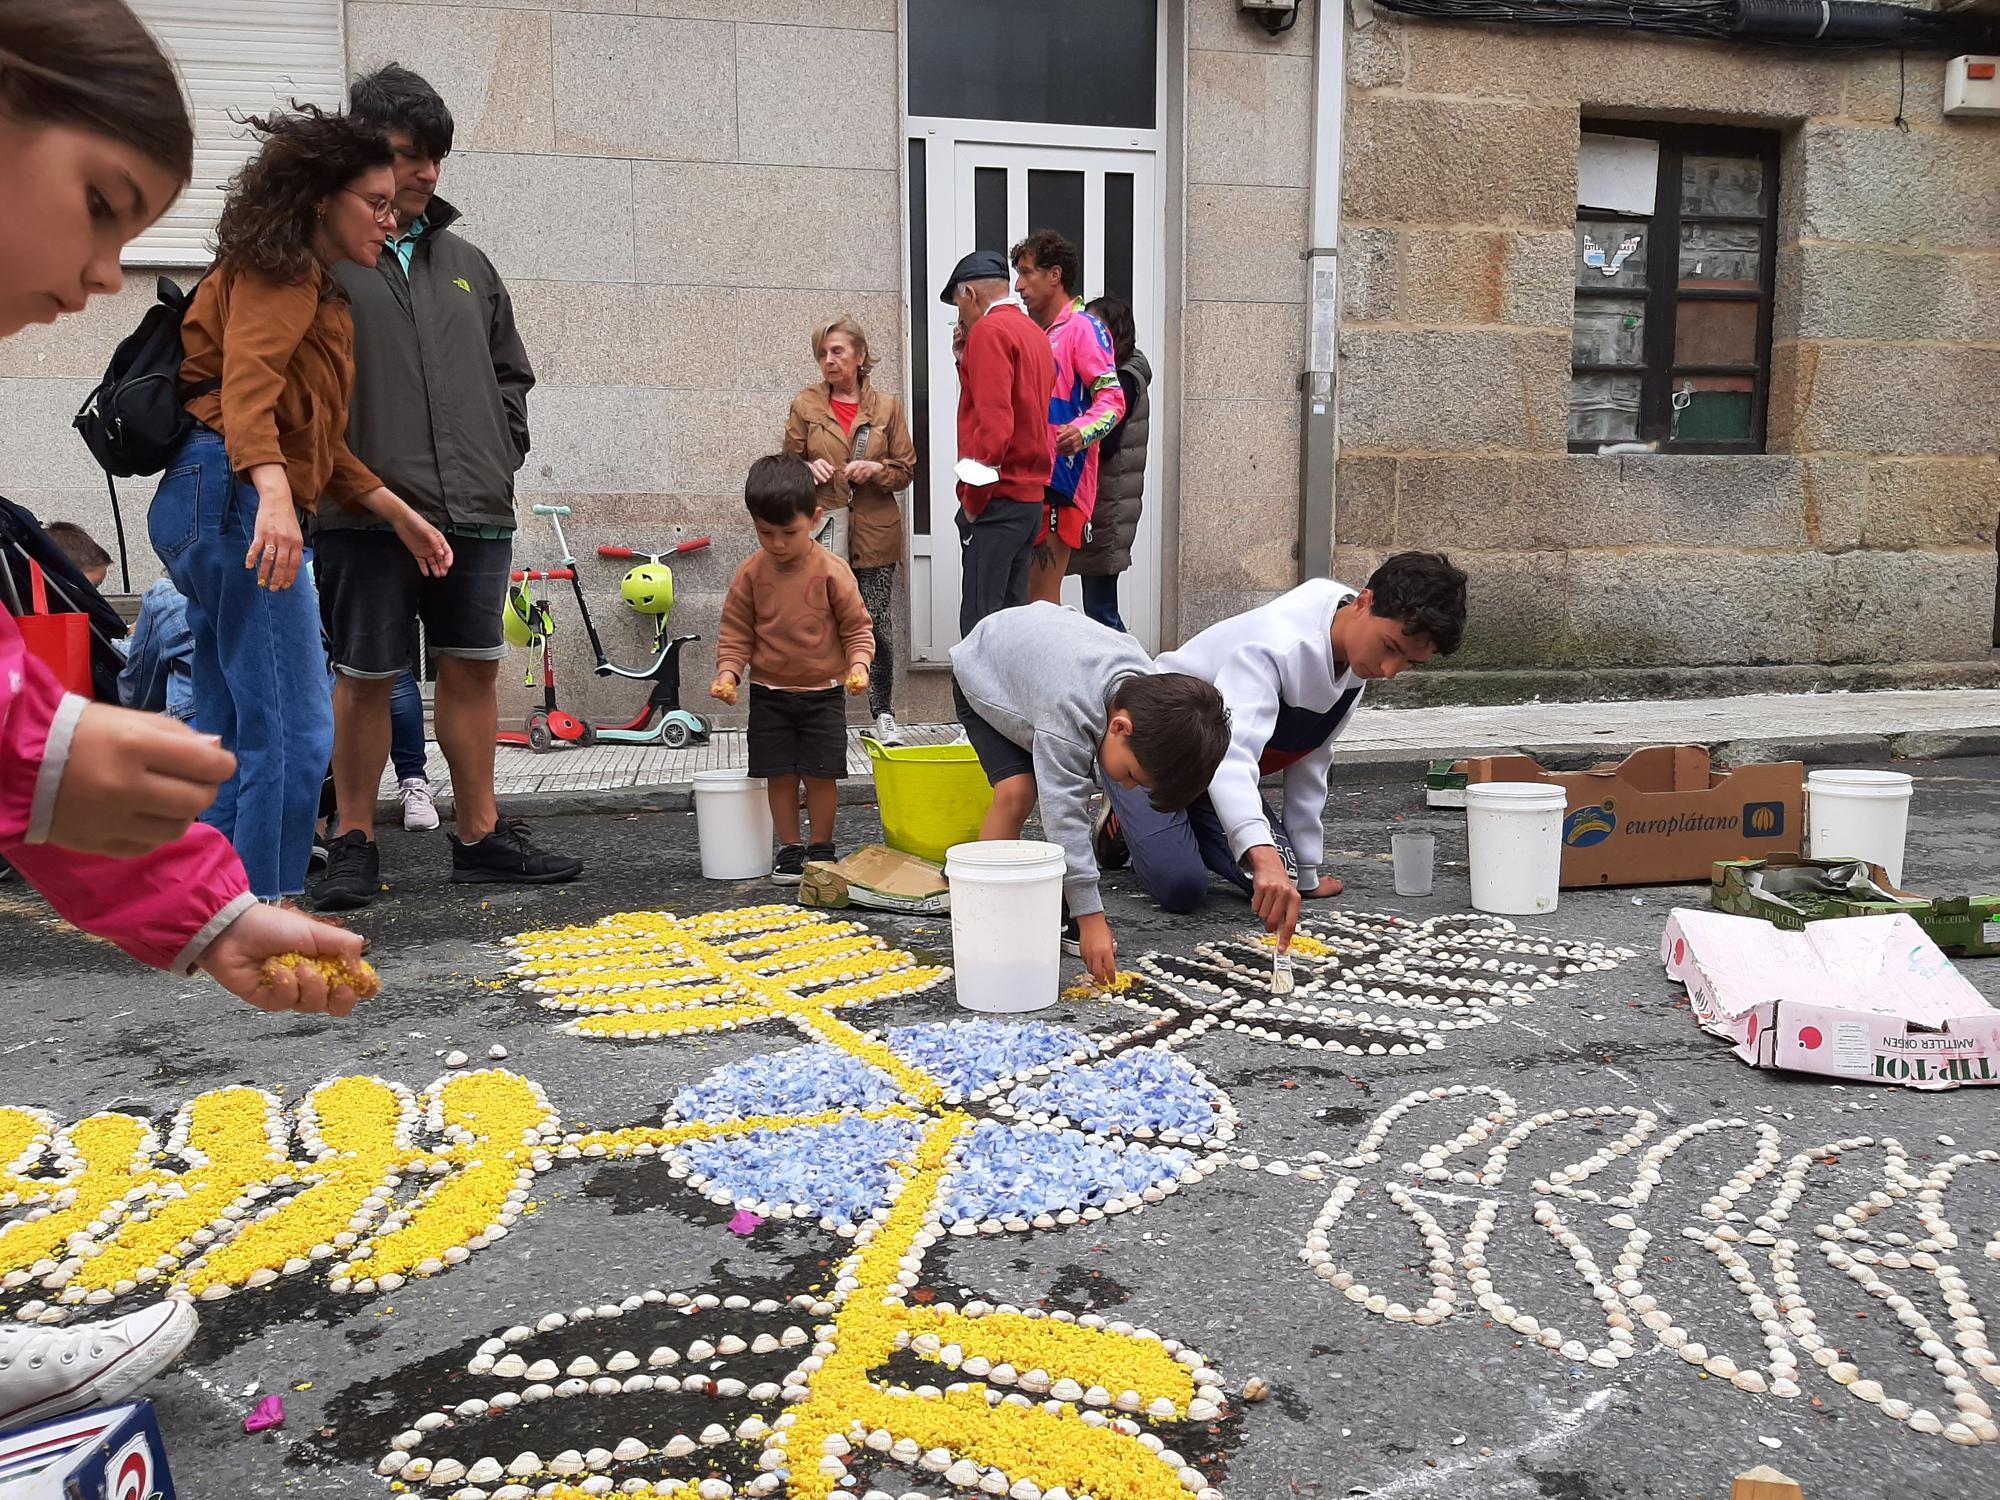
<point x="1086" y="405"/>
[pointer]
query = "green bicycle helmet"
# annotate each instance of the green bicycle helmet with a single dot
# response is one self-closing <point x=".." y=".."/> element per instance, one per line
<point x="522" y="618"/>
<point x="649" y="588"/>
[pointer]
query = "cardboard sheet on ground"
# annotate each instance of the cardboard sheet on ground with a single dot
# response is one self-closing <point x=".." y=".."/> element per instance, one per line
<point x="1661" y="815"/>
<point x="1869" y="998"/>
<point x="880" y="878"/>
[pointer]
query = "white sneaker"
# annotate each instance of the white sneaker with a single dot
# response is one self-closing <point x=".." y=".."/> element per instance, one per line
<point x="886" y="731"/>
<point x="45" y="1372"/>
<point x="420" y="814"/>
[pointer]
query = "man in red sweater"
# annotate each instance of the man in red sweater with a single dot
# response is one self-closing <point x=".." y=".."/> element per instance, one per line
<point x="1004" y="453"/>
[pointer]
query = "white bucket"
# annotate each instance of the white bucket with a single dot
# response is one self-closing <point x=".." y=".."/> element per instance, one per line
<point x="1006" y="923"/>
<point x="1860" y="815"/>
<point x="732" y="818"/>
<point x="1513" y="837"/>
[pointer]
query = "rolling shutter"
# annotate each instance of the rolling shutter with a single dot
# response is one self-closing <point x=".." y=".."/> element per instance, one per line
<point x="239" y="57"/>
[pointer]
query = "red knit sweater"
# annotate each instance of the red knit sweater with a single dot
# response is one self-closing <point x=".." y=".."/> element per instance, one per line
<point x="1004" y="380"/>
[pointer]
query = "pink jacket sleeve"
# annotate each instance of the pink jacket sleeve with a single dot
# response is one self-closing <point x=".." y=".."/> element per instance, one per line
<point x="163" y="908"/>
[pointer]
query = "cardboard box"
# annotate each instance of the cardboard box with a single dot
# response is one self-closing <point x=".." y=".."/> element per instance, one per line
<point x="113" y="1453"/>
<point x="1663" y="815"/>
<point x="1869" y="998"/>
<point x="1789" y="892"/>
<point x="880" y="878"/>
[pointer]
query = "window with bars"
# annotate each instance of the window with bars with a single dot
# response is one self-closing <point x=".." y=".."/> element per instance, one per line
<point x="1671" y="341"/>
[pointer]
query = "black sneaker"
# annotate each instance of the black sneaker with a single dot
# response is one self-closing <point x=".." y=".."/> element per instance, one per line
<point x="1107" y="841"/>
<point x="353" y="873"/>
<point x="822" y="854"/>
<point x="316" y="861"/>
<point x="1072" y="938"/>
<point x="789" y="868"/>
<point x="507" y="856"/>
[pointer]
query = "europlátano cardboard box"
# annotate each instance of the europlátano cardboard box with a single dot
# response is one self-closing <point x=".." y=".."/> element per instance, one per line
<point x="1663" y="815"/>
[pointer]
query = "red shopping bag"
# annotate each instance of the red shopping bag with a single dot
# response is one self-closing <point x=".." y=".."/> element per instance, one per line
<point x="61" y="641"/>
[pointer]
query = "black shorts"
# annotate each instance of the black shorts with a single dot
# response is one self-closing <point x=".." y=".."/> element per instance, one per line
<point x="371" y="597"/>
<point x="798" y="734"/>
<point x="999" y="757"/>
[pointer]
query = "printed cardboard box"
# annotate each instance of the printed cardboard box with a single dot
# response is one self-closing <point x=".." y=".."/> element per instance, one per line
<point x="1789" y="892"/>
<point x="1663" y="815"/>
<point x="113" y="1453"/>
<point x="879" y="877"/>
<point x="1869" y="998"/>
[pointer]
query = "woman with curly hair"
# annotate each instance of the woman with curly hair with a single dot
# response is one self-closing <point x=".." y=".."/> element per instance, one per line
<point x="270" y="361"/>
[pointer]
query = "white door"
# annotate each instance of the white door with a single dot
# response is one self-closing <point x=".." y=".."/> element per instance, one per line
<point x="988" y="195"/>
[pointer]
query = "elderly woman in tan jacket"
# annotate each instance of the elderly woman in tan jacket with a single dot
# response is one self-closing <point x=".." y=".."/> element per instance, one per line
<point x="856" y="440"/>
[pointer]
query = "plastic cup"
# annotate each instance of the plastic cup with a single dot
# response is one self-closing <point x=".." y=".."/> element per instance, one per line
<point x="1415" y="855"/>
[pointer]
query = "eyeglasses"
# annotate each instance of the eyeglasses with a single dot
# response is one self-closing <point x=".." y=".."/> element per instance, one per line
<point x="383" y="209"/>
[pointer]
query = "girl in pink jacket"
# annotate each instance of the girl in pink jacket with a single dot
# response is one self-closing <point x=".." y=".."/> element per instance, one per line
<point x="95" y="801"/>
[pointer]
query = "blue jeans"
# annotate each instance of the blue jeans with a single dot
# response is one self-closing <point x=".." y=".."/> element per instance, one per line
<point x="406" y="728"/>
<point x="260" y="679"/>
<point x="1173" y="854"/>
<point x="1100" y="599"/>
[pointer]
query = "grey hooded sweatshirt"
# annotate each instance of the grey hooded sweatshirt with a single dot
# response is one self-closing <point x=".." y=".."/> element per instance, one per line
<point x="1044" y="675"/>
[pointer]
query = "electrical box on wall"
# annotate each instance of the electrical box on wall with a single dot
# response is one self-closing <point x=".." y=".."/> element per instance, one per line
<point x="1972" y="86"/>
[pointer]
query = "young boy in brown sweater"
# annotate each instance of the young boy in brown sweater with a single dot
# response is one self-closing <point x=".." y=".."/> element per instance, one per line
<point x="795" y="622"/>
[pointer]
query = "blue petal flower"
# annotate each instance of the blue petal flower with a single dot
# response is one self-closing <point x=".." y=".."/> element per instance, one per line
<point x="1016" y="1172"/>
<point x="841" y="1171"/>
<point x="1144" y="1087"/>
<point x="803" y="1081"/>
<point x="965" y="1055"/>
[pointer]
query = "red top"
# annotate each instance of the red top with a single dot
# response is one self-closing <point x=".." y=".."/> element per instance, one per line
<point x="1005" y="377"/>
<point x="844" y="412"/>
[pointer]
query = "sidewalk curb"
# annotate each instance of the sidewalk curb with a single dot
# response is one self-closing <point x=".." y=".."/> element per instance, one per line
<point x="1349" y="767"/>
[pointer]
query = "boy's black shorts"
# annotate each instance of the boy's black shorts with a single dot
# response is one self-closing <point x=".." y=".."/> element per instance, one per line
<point x="999" y="757"/>
<point x="798" y="734"/>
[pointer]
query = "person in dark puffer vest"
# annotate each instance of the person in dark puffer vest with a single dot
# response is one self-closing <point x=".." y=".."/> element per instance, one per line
<point x="1121" y="474"/>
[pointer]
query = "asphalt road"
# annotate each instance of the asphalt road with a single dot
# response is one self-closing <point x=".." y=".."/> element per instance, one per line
<point x="1358" y="1404"/>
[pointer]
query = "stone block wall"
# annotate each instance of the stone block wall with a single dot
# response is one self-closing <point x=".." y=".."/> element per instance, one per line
<point x="1248" y="162"/>
<point x="1860" y="548"/>
<point x="675" y="199"/>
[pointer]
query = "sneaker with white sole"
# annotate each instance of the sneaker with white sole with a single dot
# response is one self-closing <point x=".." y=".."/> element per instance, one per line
<point x="887" y="731"/>
<point x="45" y="1372"/>
<point x="420" y="814"/>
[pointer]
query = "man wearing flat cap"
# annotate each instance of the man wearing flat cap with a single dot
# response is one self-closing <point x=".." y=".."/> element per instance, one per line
<point x="1004" y="455"/>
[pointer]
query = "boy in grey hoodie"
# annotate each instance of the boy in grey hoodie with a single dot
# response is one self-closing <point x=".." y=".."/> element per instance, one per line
<point x="1047" y="697"/>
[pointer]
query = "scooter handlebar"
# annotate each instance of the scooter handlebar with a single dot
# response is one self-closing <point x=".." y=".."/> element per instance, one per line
<point x="616" y="552"/>
<point x="551" y="510"/>
<point x="524" y="575"/>
<point x="692" y="544"/>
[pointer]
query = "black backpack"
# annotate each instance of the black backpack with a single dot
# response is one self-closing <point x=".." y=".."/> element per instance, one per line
<point x="135" y="420"/>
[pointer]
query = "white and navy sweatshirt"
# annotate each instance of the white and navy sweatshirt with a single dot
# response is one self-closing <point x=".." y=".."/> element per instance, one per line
<point x="1287" y="705"/>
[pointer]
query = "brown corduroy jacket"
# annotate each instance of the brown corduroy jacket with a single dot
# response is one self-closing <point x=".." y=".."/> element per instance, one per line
<point x="285" y="357"/>
<point x="875" y="521"/>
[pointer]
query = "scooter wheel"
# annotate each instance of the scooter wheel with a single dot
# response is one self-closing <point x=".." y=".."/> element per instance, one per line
<point x="540" y="739"/>
<point x="589" y="735"/>
<point x="673" y="734"/>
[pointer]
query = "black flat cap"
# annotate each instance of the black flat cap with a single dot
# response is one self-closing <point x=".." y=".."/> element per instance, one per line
<point x="980" y="265"/>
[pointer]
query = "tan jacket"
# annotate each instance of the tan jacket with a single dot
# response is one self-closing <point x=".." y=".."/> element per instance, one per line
<point x="285" y="357"/>
<point x="875" y="522"/>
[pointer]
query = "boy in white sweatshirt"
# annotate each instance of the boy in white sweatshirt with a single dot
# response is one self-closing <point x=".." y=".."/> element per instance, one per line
<point x="1292" y="673"/>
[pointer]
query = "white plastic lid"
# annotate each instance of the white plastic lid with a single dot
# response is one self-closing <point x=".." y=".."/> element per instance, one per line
<point x="1863" y="783"/>
<point x="1517" y="796"/>
<point x="1002" y="854"/>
